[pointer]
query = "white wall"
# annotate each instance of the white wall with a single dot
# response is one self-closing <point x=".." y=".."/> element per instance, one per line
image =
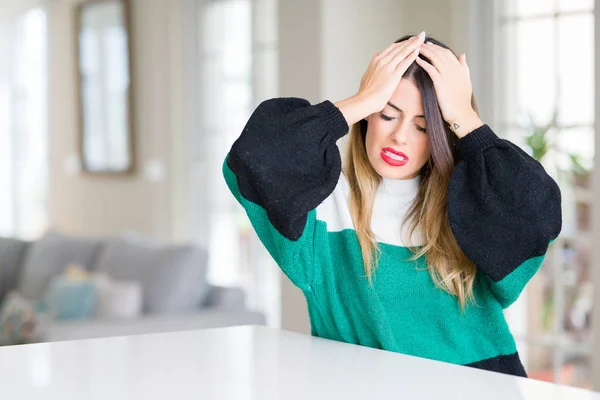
<point x="352" y="31"/>
<point x="300" y="75"/>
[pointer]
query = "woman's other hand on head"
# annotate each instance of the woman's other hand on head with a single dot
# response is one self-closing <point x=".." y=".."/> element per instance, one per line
<point x="452" y="81"/>
<point x="380" y="80"/>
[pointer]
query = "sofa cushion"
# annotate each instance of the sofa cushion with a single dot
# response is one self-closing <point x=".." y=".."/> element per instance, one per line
<point x="173" y="278"/>
<point x="49" y="256"/>
<point x="12" y="253"/>
<point x="117" y="299"/>
<point x="225" y="298"/>
<point x="71" y="299"/>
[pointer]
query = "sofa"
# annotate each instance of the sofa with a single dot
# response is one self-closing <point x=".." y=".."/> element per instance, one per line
<point x="175" y="293"/>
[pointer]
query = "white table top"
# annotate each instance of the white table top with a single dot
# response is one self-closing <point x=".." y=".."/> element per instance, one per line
<point x="247" y="363"/>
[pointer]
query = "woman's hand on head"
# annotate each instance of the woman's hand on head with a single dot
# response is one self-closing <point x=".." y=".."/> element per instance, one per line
<point x="381" y="79"/>
<point x="452" y="81"/>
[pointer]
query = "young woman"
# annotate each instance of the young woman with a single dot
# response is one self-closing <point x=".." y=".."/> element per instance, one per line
<point x="433" y="226"/>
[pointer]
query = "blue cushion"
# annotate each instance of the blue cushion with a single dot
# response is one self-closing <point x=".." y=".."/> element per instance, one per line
<point x="48" y="257"/>
<point x="71" y="299"/>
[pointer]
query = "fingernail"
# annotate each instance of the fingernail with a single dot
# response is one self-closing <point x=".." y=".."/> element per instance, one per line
<point x="422" y="34"/>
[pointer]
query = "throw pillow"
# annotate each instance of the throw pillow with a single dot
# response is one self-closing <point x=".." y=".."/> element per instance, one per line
<point x="49" y="256"/>
<point x="173" y="278"/>
<point x="20" y="321"/>
<point x="72" y="295"/>
<point x="117" y="299"/>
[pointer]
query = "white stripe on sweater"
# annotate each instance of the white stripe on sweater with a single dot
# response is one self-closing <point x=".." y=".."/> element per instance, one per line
<point x="391" y="205"/>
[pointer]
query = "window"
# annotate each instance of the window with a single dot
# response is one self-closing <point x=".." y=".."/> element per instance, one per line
<point x="236" y="57"/>
<point x="546" y="64"/>
<point x="23" y="124"/>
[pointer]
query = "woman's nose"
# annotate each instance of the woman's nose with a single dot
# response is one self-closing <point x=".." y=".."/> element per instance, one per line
<point x="400" y="136"/>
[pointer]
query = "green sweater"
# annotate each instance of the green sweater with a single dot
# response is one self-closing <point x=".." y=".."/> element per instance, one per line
<point x="504" y="210"/>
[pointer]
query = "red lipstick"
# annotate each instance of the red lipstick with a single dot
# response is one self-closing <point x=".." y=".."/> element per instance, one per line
<point x="393" y="157"/>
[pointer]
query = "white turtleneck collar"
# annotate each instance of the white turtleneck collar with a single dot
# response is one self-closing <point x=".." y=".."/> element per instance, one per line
<point x="393" y="199"/>
<point x="400" y="187"/>
<point x="392" y="202"/>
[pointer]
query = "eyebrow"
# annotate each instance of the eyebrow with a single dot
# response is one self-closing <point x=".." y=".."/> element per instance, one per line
<point x="395" y="107"/>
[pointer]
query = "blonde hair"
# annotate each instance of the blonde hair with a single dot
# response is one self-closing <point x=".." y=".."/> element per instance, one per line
<point x="449" y="267"/>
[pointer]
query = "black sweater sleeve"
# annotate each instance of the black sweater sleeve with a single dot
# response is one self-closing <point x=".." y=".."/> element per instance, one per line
<point x="286" y="159"/>
<point x="504" y="209"/>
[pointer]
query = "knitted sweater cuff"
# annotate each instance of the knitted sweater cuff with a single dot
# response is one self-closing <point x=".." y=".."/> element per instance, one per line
<point x="333" y="119"/>
<point x="476" y="142"/>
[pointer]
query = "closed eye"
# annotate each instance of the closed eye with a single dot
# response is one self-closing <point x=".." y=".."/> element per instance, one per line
<point x="388" y="118"/>
<point x="385" y="117"/>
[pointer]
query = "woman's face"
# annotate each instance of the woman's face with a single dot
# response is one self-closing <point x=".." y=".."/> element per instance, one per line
<point x="397" y="143"/>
